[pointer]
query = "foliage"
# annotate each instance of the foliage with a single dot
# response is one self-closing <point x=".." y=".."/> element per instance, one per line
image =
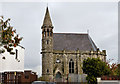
<point x="95" y="68"/>
<point x="114" y="67"/>
<point x="91" y="79"/>
<point x="118" y="69"/>
<point x="9" y="38"/>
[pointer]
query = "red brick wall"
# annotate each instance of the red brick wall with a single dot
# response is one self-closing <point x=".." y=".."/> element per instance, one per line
<point x="19" y="77"/>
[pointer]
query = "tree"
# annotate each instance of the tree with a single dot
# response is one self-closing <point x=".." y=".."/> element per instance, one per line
<point x="114" y="67"/>
<point x="118" y="69"/>
<point x="8" y="36"/>
<point x="95" y="68"/>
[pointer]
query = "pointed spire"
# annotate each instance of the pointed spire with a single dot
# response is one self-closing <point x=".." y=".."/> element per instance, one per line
<point x="47" y="19"/>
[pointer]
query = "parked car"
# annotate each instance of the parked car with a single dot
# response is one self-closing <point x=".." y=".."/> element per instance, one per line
<point x="43" y="82"/>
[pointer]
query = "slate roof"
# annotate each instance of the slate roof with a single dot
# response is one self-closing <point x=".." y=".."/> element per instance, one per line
<point x="71" y="41"/>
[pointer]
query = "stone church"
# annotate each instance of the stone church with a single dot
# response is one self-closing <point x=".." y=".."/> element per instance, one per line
<point x="63" y="53"/>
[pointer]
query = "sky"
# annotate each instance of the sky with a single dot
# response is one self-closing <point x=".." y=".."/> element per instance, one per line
<point x="100" y="18"/>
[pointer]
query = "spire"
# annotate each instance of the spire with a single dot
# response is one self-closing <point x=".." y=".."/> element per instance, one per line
<point x="47" y="20"/>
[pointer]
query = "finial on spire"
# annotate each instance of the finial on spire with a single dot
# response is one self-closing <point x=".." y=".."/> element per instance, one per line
<point x="47" y="4"/>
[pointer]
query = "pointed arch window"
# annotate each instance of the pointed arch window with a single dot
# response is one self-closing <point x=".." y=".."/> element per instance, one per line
<point x="44" y="34"/>
<point x="51" y="32"/>
<point x="47" y="41"/>
<point x="47" y="32"/>
<point x="71" y="66"/>
<point x="47" y="70"/>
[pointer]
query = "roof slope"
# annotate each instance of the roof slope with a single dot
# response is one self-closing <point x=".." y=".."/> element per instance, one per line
<point x="71" y="41"/>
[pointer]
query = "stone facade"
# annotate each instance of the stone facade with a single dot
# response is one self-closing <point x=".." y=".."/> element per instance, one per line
<point x="67" y="58"/>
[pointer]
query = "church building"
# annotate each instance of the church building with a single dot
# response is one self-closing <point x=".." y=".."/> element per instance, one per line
<point x="63" y="53"/>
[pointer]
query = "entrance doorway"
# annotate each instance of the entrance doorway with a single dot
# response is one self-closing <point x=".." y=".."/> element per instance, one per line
<point x="58" y="77"/>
